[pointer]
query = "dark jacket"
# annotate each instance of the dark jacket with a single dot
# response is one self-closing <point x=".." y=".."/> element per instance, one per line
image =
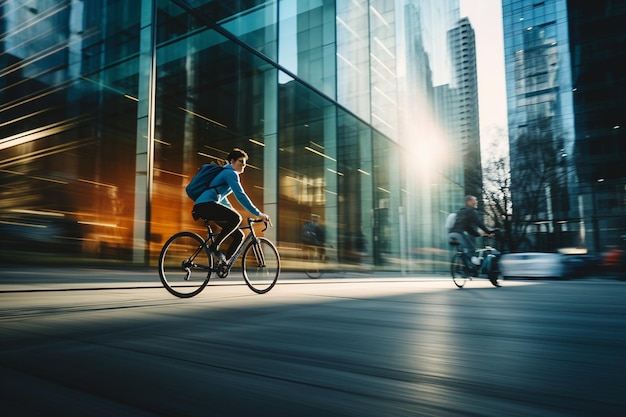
<point x="468" y="220"/>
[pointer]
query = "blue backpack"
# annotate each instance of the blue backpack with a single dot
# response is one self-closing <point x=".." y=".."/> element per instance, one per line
<point x="201" y="181"/>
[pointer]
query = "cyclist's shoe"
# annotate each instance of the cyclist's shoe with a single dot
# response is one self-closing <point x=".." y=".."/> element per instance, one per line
<point x="221" y="258"/>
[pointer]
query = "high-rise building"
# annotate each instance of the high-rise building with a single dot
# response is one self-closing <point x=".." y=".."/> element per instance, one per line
<point x="462" y="45"/>
<point x="565" y="95"/>
<point x="108" y="107"/>
<point x="598" y="57"/>
<point x="541" y="124"/>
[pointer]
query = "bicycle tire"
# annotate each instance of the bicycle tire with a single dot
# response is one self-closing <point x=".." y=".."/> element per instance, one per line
<point x="458" y="270"/>
<point x="260" y="265"/>
<point x="495" y="276"/>
<point x="185" y="265"/>
<point x="313" y="273"/>
<point x="313" y="270"/>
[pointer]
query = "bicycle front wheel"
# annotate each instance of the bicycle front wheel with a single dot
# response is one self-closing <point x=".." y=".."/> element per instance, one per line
<point x="260" y="265"/>
<point x="458" y="270"/>
<point x="314" y="259"/>
<point x="185" y="265"/>
<point x="495" y="276"/>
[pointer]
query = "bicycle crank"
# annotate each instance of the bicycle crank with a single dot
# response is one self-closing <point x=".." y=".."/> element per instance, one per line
<point x="222" y="270"/>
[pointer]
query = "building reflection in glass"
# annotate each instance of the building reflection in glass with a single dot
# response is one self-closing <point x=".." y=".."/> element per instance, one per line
<point x="108" y="108"/>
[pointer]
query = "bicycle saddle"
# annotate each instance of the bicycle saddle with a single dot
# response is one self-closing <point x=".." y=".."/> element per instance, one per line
<point x="455" y="239"/>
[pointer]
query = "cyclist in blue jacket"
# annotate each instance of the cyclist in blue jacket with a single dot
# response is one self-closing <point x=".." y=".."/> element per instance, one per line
<point x="213" y="203"/>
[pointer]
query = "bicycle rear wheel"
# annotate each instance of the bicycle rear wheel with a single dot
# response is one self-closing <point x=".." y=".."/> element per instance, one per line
<point x="260" y="265"/>
<point x="458" y="270"/>
<point x="185" y="265"/>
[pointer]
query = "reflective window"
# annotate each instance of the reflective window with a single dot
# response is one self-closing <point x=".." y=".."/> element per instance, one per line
<point x="107" y="109"/>
<point x="68" y="118"/>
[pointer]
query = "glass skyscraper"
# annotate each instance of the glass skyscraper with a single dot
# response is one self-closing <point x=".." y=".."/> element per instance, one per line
<point x="541" y="124"/>
<point x="464" y="84"/>
<point x="565" y="95"/>
<point x="597" y="45"/>
<point x="108" y="107"/>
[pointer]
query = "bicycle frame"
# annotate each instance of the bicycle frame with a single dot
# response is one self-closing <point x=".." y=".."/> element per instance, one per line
<point x="251" y="236"/>
<point x="260" y="263"/>
<point x="487" y="253"/>
<point x="462" y="268"/>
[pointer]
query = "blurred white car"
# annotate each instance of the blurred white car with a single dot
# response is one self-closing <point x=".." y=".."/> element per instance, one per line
<point x="532" y="264"/>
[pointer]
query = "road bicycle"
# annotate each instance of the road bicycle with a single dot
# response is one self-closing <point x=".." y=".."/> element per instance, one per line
<point x="315" y="258"/>
<point x="462" y="269"/>
<point x="186" y="262"/>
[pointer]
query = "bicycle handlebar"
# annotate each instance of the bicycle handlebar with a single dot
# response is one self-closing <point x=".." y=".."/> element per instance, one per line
<point x="268" y="222"/>
<point x="496" y="233"/>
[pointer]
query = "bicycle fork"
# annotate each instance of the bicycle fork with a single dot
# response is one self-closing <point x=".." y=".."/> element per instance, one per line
<point x="258" y="253"/>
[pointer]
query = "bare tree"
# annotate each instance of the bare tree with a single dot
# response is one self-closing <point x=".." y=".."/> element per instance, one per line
<point x="526" y="187"/>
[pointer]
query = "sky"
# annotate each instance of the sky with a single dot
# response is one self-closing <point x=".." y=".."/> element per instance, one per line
<point x="486" y="19"/>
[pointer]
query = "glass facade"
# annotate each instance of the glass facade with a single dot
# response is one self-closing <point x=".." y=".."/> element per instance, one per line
<point x="565" y="89"/>
<point x="109" y="107"/>
<point x="541" y="125"/>
<point x="597" y="42"/>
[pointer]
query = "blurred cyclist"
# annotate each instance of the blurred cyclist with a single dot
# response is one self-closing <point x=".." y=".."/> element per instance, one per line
<point x="466" y="226"/>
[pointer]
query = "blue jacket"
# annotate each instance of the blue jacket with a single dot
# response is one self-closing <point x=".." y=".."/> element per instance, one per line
<point x="225" y="183"/>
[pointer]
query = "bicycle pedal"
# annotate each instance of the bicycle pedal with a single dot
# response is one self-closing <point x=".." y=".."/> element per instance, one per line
<point x="222" y="270"/>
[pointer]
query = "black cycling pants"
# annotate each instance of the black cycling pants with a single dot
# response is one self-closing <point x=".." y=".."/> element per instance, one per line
<point x="227" y="218"/>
